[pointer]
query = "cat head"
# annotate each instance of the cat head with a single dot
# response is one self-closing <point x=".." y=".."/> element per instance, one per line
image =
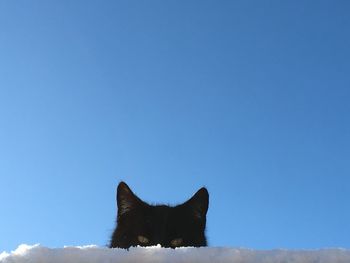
<point x="139" y="223"/>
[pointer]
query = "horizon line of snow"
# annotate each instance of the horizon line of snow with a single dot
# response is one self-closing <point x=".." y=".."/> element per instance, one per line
<point x="93" y="254"/>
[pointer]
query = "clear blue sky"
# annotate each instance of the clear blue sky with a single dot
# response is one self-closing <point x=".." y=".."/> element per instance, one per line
<point x="248" y="98"/>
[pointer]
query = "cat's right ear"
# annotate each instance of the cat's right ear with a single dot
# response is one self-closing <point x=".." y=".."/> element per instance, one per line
<point x="199" y="203"/>
<point x="126" y="199"/>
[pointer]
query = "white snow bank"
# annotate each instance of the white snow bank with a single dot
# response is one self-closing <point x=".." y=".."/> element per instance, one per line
<point x="94" y="254"/>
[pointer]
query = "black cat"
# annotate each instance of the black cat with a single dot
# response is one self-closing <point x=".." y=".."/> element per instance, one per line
<point x="139" y="223"/>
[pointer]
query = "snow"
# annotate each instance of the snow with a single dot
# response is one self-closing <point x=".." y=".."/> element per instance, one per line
<point x="94" y="254"/>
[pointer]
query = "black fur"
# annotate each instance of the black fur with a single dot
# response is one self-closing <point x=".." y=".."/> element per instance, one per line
<point x="139" y="223"/>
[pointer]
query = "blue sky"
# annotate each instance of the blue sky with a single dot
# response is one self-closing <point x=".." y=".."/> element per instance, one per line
<point x="248" y="98"/>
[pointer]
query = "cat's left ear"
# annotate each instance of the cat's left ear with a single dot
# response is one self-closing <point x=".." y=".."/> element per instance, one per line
<point x="126" y="199"/>
<point x="199" y="203"/>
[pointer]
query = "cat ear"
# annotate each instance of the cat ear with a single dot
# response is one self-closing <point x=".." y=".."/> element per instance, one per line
<point x="126" y="199"/>
<point x="199" y="203"/>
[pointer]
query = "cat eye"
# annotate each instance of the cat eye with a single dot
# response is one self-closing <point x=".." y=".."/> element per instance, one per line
<point x="176" y="242"/>
<point x="143" y="240"/>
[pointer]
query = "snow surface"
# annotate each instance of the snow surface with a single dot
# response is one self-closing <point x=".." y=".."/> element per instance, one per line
<point x="94" y="254"/>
